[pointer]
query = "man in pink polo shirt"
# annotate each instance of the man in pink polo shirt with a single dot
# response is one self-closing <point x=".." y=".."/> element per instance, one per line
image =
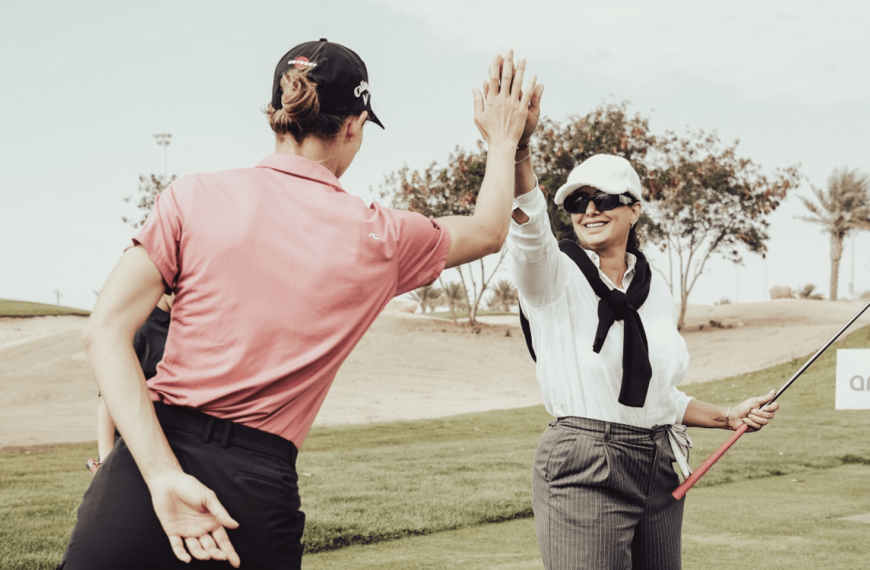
<point x="278" y="272"/>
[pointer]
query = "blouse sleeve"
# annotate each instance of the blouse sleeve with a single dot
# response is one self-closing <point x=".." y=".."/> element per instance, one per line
<point x="537" y="269"/>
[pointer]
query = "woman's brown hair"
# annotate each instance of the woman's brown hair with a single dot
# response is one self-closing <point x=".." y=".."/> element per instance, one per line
<point x="299" y="115"/>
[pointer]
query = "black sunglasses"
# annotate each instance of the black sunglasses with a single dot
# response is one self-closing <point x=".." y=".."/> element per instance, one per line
<point x="578" y="202"/>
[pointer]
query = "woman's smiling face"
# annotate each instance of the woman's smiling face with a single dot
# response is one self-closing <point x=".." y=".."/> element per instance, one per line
<point x="600" y="231"/>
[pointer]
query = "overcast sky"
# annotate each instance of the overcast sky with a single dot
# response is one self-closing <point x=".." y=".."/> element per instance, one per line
<point x="85" y="85"/>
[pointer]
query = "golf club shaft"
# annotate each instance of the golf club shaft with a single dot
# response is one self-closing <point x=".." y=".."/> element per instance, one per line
<point x="818" y="354"/>
<point x="681" y="491"/>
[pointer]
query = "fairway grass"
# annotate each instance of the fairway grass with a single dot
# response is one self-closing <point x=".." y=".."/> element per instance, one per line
<point x="9" y="308"/>
<point x="373" y="483"/>
<point x="504" y="546"/>
<point x="782" y="523"/>
<point x="40" y="489"/>
<point x="774" y="523"/>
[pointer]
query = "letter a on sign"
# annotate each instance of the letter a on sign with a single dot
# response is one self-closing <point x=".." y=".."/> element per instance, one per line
<point x="853" y="379"/>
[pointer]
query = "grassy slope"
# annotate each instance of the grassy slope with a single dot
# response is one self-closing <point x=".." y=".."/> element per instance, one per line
<point x="9" y="308"/>
<point x="369" y="483"/>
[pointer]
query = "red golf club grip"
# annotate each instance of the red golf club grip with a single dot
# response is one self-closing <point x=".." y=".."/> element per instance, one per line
<point x="681" y="491"/>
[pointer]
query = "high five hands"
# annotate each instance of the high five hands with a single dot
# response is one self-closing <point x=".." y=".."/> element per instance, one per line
<point x="504" y="111"/>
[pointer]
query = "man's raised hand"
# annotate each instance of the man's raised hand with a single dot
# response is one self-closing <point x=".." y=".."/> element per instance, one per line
<point x="501" y="111"/>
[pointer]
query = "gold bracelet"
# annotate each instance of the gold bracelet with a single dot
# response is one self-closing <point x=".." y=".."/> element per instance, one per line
<point x="726" y="417"/>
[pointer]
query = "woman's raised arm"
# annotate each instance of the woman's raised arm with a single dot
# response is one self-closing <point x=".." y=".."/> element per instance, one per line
<point x="500" y="114"/>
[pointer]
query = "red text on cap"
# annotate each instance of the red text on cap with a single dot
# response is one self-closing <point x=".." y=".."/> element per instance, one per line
<point x="301" y="62"/>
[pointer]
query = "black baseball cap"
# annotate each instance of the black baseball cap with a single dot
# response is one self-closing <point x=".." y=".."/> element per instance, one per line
<point x="341" y="77"/>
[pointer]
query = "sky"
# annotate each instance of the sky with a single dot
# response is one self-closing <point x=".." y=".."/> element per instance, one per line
<point x="86" y="85"/>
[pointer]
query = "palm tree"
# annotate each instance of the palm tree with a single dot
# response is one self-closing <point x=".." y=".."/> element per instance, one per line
<point x="427" y="297"/>
<point x="455" y="296"/>
<point x="843" y="208"/>
<point x="504" y="296"/>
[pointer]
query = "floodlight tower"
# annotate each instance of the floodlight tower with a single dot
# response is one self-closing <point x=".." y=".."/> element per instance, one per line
<point x="163" y="139"/>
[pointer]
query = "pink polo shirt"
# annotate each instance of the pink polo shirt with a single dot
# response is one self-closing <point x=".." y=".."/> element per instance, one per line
<point x="278" y="273"/>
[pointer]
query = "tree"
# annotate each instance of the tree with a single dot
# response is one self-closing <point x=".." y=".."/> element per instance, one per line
<point x="561" y="146"/>
<point x="842" y="209"/>
<point x="504" y="296"/>
<point x="427" y="297"/>
<point x="446" y="191"/>
<point x="704" y="200"/>
<point x="149" y="187"/>
<point x="808" y="292"/>
<point x="695" y="189"/>
<point x="455" y="296"/>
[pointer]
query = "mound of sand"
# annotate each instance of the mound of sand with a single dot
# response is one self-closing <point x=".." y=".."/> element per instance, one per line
<point x="406" y="367"/>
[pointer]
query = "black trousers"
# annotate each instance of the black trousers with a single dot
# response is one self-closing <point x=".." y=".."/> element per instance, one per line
<point x="252" y="472"/>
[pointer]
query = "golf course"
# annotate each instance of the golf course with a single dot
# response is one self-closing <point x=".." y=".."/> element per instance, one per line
<point x="452" y="490"/>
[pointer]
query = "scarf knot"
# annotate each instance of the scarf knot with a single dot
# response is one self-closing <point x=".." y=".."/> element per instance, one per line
<point x="614" y="305"/>
<point x="618" y="302"/>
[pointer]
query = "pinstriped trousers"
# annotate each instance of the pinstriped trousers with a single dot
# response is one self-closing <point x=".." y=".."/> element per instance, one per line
<point x="601" y="494"/>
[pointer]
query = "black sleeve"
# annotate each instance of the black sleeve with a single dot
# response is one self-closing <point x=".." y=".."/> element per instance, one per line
<point x="140" y="344"/>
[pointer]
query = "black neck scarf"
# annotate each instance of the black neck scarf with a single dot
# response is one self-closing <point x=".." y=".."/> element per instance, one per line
<point x="614" y="305"/>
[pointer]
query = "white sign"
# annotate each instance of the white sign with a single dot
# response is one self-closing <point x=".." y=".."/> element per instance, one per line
<point x="853" y="379"/>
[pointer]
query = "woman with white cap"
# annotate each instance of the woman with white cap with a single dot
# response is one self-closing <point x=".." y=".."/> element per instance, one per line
<point x="602" y="328"/>
<point x="278" y="273"/>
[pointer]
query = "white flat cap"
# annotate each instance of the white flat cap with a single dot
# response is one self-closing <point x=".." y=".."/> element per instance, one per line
<point x="607" y="172"/>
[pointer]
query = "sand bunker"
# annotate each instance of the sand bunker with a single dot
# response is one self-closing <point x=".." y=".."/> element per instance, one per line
<point x="406" y="367"/>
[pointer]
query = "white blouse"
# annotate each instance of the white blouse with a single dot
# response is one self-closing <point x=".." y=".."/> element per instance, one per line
<point x="562" y="310"/>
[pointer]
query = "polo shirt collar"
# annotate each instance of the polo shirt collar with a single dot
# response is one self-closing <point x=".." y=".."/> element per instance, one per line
<point x="301" y="167"/>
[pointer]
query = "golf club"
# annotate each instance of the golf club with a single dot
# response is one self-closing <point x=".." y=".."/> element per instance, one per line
<point x="681" y="491"/>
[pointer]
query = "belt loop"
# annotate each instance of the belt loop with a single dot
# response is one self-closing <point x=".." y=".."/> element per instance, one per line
<point x="209" y="425"/>
<point x="606" y="431"/>
<point x="228" y="428"/>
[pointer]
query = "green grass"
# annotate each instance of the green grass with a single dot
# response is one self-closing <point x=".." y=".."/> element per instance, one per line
<point x="9" y="308"/>
<point x="788" y="522"/>
<point x="372" y="483"/>
<point x="40" y="490"/>
<point x="776" y="522"/>
<point x="508" y="545"/>
<point x="417" y="477"/>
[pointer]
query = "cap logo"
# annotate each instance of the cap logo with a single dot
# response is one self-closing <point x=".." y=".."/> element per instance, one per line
<point x="362" y="90"/>
<point x="301" y="62"/>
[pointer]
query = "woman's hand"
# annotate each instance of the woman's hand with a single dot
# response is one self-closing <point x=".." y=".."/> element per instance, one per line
<point x="533" y="116"/>
<point x="753" y="412"/>
<point x="534" y="111"/>
<point x="192" y="516"/>
<point x="93" y="465"/>
<point x="501" y="111"/>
